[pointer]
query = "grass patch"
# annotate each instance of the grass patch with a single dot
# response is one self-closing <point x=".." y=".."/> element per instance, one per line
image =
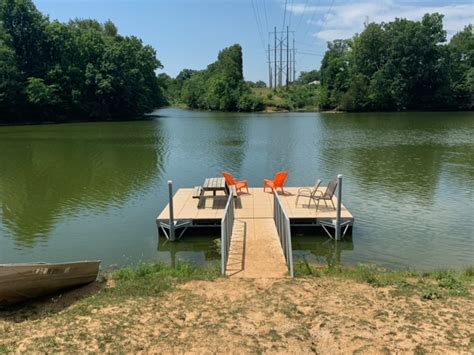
<point x="4" y="349"/>
<point x="430" y="286"/>
<point x="143" y="280"/>
<point x="152" y="279"/>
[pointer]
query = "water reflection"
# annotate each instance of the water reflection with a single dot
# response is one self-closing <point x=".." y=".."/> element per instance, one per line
<point x="50" y="172"/>
<point x="93" y="190"/>
<point x="191" y="248"/>
<point x="320" y="249"/>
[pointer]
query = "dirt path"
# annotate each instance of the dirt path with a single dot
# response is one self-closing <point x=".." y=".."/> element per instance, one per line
<point x="316" y="315"/>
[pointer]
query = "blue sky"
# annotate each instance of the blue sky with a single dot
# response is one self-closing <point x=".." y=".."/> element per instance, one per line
<point x="189" y="33"/>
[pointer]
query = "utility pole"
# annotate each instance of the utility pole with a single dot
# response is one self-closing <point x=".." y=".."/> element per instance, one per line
<point x="275" y="63"/>
<point x="294" y="59"/>
<point x="287" y="56"/>
<point x="280" y="71"/>
<point x="269" y="68"/>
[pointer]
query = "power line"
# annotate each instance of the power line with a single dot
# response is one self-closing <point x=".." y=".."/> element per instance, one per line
<point x="265" y="11"/>
<point x="302" y="15"/>
<point x="307" y="44"/>
<point x="291" y="14"/>
<point x="309" y="53"/>
<point x="284" y="17"/>
<point x="325" y="18"/>
<point x="258" y="26"/>
<point x="311" y="19"/>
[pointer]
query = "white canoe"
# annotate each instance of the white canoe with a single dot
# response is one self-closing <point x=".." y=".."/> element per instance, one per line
<point x="19" y="282"/>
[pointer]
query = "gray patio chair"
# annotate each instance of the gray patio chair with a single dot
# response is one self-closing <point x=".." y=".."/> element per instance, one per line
<point x="327" y="195"/>
<point x="310" y="193"/>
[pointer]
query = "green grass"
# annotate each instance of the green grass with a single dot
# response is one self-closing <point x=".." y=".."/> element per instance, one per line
<point x="143" y="280"/>
<point x="152" y="279"/>
<point x="3" y="349"/>
<point x="437" y="284"/>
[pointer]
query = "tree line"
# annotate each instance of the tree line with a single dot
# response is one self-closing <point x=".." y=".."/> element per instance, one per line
<point x="220" y="87"/>
<point x="400" y="65"/>
<point x="83" y="69"/>
<point x="77" y="70"/>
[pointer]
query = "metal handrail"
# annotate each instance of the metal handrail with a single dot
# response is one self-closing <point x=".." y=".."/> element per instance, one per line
<point x="227" y="224"/>
<point x="282" y="223"/>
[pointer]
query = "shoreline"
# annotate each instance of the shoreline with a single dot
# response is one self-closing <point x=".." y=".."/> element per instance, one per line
<point x="151" y="115"/>
<point x="155" y="308"/>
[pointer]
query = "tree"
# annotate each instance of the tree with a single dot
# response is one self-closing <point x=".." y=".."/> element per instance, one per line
<point x="307" y="77"/>
<point x="82" y="69"/>
<point x="461" y="68"/>
<point x="221" y="86"/>
<point x="26" y="27"/>
<point x="335" y="71"/>
<point x="10" y="77"/>
<point x="399" y="65"/>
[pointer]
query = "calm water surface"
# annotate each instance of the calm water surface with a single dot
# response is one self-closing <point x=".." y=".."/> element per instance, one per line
<point x="93" y="190"/>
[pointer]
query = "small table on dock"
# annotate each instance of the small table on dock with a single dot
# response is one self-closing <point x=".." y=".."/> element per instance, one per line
<point x="214" y="185"/>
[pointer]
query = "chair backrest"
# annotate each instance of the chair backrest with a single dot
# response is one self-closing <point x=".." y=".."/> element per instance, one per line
<point x="280" y="179"/>
<point x="315" y="188"/>
<point x="331" y="189"/>
<point x="229" y="179"/>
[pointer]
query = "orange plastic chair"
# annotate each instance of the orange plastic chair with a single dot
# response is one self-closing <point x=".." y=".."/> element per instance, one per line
<point x="239" y="184"/>
<point x="279" y="181"/>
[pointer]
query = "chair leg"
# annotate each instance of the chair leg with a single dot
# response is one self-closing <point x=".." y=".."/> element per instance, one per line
<point x="333" y="204"/>
<point x="325" y="203"/>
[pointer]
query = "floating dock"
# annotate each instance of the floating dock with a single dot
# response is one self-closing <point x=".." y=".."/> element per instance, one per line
<point x="258" y="241"/>
<point x="255" y="204"/>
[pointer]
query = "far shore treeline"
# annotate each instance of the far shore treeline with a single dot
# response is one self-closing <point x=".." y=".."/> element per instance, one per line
<point x="85" y="70"/>
<point x="52" y="71"/>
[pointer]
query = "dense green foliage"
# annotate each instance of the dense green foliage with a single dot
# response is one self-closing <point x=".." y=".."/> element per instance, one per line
<point x="307" y="77"/>
<point x="79" y="70"/>
<point x="296" y="97"/>
<point x="400" y="65"/>
<point x="220" y="87"/>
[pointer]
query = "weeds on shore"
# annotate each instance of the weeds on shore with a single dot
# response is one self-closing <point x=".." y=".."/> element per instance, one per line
<point x="152" y="279"/>
<point x="437" y="284"/>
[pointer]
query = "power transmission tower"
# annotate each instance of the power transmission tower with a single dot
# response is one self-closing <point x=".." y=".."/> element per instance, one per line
<point x="284" y="71"/>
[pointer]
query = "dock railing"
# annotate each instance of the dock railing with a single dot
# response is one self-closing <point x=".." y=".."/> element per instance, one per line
<point x="227" y="224"/>
<point x="282" y="223"/>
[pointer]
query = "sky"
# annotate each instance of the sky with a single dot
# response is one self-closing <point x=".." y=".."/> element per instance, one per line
<point x="190" y="33"/>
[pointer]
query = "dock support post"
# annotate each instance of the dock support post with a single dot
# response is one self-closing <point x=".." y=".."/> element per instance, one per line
<point x="171" y="225"/>
<point x="338" y="209"/>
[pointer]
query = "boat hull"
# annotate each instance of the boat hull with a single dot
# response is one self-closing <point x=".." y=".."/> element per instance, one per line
<point x="20" y="282"/>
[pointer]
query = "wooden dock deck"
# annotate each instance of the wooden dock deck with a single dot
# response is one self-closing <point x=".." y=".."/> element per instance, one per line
<point x="255" y="249"/>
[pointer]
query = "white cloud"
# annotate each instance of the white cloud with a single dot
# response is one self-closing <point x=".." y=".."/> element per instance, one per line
<point x="344" y="20"/>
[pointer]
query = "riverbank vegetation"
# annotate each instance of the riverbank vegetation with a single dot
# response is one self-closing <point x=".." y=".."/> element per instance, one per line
<point x="400" y="65"/>
<point x="53" y="71"/>
<point x="85" y="70"/>
<point x="220" y="87"/>
<point x="158" y="308"/>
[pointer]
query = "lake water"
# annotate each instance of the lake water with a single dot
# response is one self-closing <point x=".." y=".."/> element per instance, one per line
<point x="93" y="190"/>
